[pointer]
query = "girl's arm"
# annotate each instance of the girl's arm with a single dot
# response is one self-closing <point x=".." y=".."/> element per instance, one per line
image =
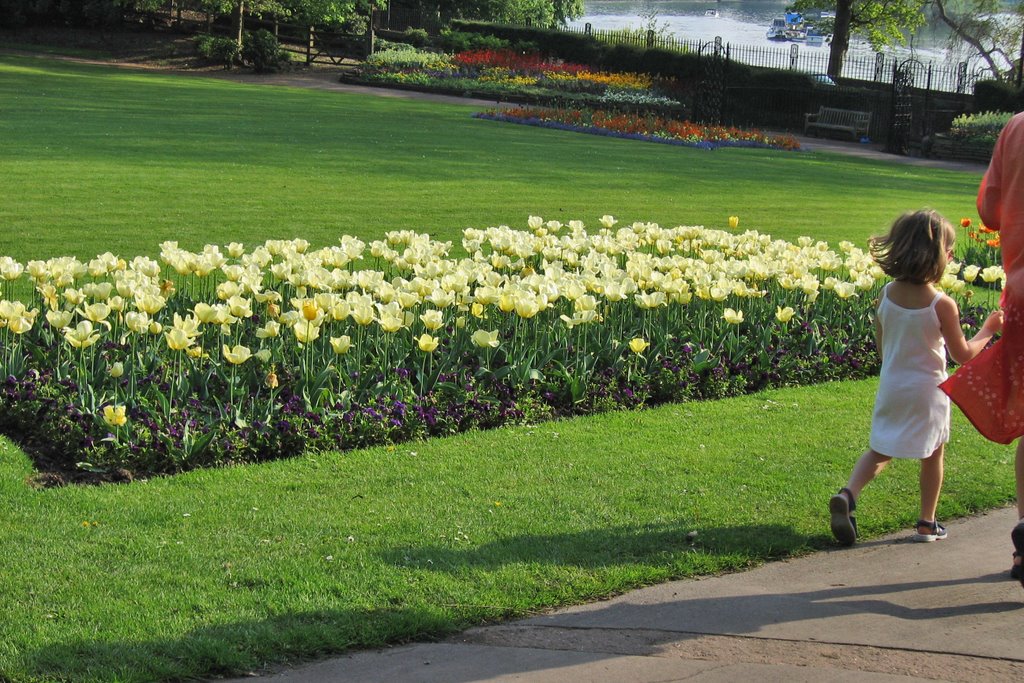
<point x="961" y="349"/>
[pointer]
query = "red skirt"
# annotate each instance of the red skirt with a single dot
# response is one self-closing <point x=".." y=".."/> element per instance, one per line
<point x="989" y="388"/>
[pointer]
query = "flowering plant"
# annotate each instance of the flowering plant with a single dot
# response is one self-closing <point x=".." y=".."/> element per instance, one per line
<point x="505" y="70"/>
<point x="235" y="353"/>
<point x="981" y="247"/>
<point x="640" y="127"/>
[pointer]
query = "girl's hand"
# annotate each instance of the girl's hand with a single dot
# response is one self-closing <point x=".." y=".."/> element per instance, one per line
<point x="993" y="323"/>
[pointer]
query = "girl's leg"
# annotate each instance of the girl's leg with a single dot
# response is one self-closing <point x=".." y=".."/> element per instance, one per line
<point x="932" y="470"/>
<point x="841" y="505"/>
<point x="867" y="468"/>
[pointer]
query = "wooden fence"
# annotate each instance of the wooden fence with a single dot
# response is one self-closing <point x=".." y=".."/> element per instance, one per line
<point x="314" y="45"/>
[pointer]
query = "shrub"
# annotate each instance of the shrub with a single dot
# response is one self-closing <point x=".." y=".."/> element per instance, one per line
<point x="402" y="56"/>
<point x="982" y="128"/>
<point x="221" y="50"/>
<point x="417" y="37"/>
<point x="461" y="41"/>
<point x="262" y="52"/>
<point x="997" y="96"/>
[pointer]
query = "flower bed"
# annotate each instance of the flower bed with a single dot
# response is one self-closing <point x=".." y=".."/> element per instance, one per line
<point x="638" y="127"/>
<point x="507" y="73"/>
<point x="243" y="354"/>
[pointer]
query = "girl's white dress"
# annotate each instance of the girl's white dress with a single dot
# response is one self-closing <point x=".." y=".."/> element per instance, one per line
<point x="911" y="417"/>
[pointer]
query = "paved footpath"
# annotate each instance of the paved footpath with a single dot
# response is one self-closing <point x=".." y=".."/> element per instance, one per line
<point x="884" y="610"/>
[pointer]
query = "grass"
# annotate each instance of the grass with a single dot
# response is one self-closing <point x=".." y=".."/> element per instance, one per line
<point x="221" y="571"/>
<point x="218" y="571"/>
<point x="104" y="159"/>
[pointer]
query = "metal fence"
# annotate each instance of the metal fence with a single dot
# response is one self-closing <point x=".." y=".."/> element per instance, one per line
<point x="878" y="67"/>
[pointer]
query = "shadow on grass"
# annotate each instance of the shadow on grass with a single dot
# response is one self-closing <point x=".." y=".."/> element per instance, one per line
<point x="234" y="649"/>
<point x="611" y="546"/>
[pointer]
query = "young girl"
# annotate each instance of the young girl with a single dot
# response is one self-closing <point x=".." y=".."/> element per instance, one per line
<point x="915" y="326"/>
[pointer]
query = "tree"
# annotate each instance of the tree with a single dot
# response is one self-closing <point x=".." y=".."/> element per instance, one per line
<point x="988" y="31"/>
<point x="881" y="22"/>
<point x="545" y="13"/>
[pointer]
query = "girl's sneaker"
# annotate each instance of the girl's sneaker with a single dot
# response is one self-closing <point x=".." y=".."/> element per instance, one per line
<point x="844" y="524"/>
<point x="934" y="532"/>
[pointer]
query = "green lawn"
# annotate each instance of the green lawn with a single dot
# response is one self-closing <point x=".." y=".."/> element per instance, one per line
<point x="221" y="571"/>
<point x="99" y="159"/>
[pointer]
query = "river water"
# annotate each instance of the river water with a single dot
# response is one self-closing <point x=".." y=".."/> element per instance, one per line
<point x="739" y="22"/>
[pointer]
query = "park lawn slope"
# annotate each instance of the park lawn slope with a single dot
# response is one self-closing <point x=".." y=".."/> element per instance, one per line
<point x="102" y="159"/>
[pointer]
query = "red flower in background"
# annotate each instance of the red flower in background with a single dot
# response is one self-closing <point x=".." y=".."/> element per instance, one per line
<point x="510" y="59"/>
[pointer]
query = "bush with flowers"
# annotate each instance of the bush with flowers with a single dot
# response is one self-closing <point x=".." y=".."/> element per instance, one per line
<point x="979" y="246"/>
<point x="239" y="354"/>
<point x="640" y="127"/>
<point x="505" y="71"/>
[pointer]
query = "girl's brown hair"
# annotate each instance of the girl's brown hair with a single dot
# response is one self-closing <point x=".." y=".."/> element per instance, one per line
<point x="915" y="248"/>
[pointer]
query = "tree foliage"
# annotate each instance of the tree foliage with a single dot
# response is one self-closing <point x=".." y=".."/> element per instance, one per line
<point x="542" y="13"/>
<point x="880" y="22"/>
<point x="987" y="29"/>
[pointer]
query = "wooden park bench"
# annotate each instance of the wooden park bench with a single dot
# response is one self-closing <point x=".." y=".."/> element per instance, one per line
<point x="844" y="120"/>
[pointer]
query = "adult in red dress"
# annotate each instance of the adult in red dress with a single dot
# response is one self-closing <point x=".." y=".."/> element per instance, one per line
<point x="990" y="388"/>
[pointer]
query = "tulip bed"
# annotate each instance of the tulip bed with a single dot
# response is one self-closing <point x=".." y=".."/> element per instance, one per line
<point x="640" y="127"/>
<point x="251" y="353"/>
<point x="507" y="72"/>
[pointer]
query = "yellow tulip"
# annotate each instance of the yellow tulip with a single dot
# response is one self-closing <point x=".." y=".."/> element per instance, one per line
<point x="236" y="355"/>
<point x="992" y="273"/>
<point x="432" y="319"/>
<point x="390" y="321"/>
<point x="485" y="339"/>
<point x="205" y="313"/>
<point x="342" y="344"/>
<point x="844" y="290"/>
<point x="239" y="307"/>
<point x="426" y="343"/>
<point x="607" y="221"/>
<point x="116" y="370"/>
<point x="362" y="314"/>
<point x="638" y="345"/>
<point x="136" y="322"/>
<point x="784" y="315"/>
<point x="506" y="303"/>
<point x="115" y="416"/>
<point x="305" y="332"/>
<point x="310" y="310"/>
<point x="269" y="330"/>
<point x="732" y="317"/>
<point x="59" y="319"/>
<point x="734" y="222"/>
<point x="178" y="339"/>
<point x="20" y="325"/>
<point x="526" y="306"/>
<point x="96" y="312"/>
<point x="81" y="336"/>
<point x="150" y="303"/>
<point x="11" y="309"/>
